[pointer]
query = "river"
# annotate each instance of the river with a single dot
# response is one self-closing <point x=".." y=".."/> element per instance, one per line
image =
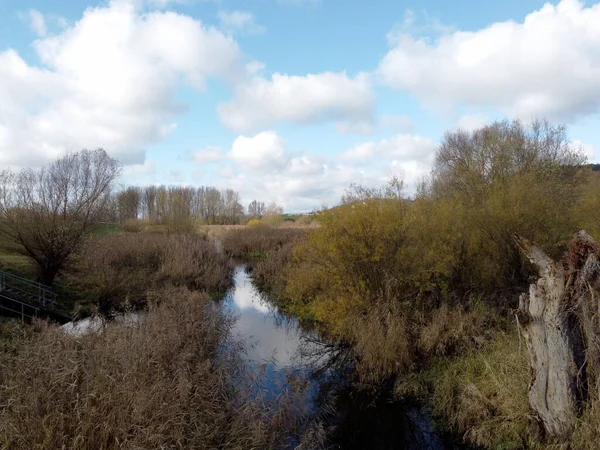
<point x="279" y="345"/>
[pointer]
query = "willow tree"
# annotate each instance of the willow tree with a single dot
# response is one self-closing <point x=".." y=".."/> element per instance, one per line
<point x="508" y="177"/>
<point x="45" y="214"/>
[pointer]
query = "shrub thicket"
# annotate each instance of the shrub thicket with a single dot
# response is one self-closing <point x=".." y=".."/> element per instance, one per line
<point x="257" y="240"/>
<point x="454" y="241"/>
<point x="406" y="283"/>
<point x="118" y="271"/>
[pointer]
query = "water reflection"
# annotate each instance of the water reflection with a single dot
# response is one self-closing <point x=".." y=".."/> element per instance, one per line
<point x="259" y="325"/>
<point x="96" y="323"/>
<point x="354" y="419"/>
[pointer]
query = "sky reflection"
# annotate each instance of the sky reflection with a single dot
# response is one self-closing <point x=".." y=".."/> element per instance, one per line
<point x="257" y="324"/>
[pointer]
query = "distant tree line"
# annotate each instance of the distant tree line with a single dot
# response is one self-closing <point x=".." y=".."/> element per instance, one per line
<point x="162" y="205"/>
<point x="168" y="205"/>
<point x="46" y="213"/>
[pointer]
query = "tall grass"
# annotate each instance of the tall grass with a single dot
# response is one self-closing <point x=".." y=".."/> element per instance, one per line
<point x="482" y="395"/>
<point x="174" y="380"/>
<point x="257" y="241"/>
<point x="118" y="271"/>
<point x="268" y="272"/>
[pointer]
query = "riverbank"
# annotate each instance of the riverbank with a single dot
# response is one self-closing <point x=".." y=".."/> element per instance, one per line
<point x="424" y="299"/>
<point x="175" y="377"/>
<point x="288" y="353"/>
<point x="473" y="377"/>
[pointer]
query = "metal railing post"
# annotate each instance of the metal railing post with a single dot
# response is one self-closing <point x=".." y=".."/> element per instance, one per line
<point x="37" y="294"/>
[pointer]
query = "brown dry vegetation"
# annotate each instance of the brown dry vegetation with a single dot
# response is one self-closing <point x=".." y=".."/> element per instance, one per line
<point x="268" y="272"/>
<point x="174" y="378"/>
<point x="422" y="291"/>
<point x="257" y="241"/>
<point x="163" y="382"/>
<point x="118" y="271"/>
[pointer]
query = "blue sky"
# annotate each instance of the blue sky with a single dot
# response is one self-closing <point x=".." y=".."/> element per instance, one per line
<point x="287" y="100"/>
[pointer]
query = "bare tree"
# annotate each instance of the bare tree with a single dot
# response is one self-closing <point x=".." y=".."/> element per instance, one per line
<point x="212" y="197"/>
<point x="467" y="164"/>
<point x="256" y="209"/>
<point x="232" y="207"/>
<point x="129" y="203"/>
<point x="274" y="209"/>
<point x="180" y="218"/>
<point x="47" y="213"/>
<point x="273" y="214"/>
<point x="149" y="202"/>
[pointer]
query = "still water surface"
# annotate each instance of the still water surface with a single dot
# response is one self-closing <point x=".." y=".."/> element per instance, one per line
<point x="278" y="344"/>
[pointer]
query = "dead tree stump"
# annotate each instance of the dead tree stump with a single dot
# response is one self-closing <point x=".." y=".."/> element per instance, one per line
<point x="559" y="322"/>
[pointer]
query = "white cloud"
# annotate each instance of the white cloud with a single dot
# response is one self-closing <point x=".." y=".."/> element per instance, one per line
<point x="298" y="190"/>
<point x="306" y="99"/>
<point x="418" y="23"/>
<point x="264" y="152"/>
<point x="472" y="122"/>
<point x="402" y="123"/>
<point x="147" y="168"/>
<point x="153" y="4"/>
<point x="108" y="81"/>
<point x="403" y="146"/>
<point x="586" y="149"/>
<point x="209" y="154"/>
<point x="306" y="165"/>
<point x="37" y="22"/>
<point x="239" y="22"/>
<point x="411" y="172"/>
<point x="262" y="168"/>
<point x="60" y="21"/>
<point x="548" y="65"/>
<point x="360" y="127"/>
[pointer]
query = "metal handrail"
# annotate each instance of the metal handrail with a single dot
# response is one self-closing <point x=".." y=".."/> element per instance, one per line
<point x="42" y="292"/>
<point x="23" y="305"/>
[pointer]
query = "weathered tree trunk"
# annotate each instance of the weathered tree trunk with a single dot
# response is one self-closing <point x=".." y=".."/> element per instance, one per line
<point x="556" y="324"/>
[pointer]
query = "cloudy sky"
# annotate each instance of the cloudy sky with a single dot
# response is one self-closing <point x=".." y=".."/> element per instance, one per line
<point x="287" y="100"/>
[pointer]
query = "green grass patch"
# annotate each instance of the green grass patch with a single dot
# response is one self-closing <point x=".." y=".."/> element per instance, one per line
<point x="17" y="265"/>
<point x="106" y="229"/>
<point x="257" y="254"/>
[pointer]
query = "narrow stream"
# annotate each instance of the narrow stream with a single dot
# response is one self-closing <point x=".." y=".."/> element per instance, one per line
<point x="278" y="344"/>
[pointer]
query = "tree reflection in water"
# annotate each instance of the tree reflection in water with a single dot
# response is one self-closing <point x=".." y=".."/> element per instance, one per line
<point x="294" y="357"/>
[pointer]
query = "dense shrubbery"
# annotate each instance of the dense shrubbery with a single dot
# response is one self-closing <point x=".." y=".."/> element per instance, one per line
<point x="268" y="272"/>
<point x="256" y="240"/>
<point x="119" y="271"/>
<point x="161" y="382"/>
<point x="454" y="241"/>
<point x="408" y="282"/>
